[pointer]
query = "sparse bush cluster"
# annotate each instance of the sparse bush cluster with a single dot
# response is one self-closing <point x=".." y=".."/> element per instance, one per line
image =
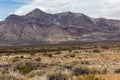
<point x="80" y="69"/>
<point x="57" y="76"/>
<point x="96" y="51"/>
<point x="56" y="62"/>
<point x="83" y="69"/>
<point x="25" y="68"/>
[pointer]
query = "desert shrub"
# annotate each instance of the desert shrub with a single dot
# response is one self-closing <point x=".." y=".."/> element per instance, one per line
<point x="67" y="67"/>
<point x="7" y="77"/>
<point x="50" y="55"/>
<point x="65" y="56"/>
<point x="72" y="55"/>
<point x="105" y="47"/>
<point x="21" y="57"/>
<point x="117" y="71"/>
<point x="104" y="71"/>
<point x="25" y="68"/>
<point x="58" y="52"/>
<point x="89" y="77"/>
<point x="36" y="73"/>
<point x="38" y="59"/>
<point x="80" y="69"/>
<point x="70" y="50"/>
<point x="85" y="62"/>
<point x="28" y="66"/>
<point x="57" y="76"/>
<point x="15" y="59"/>
<point x="98" y="71"/>
<point x="32" y="53"/>
<point x="76" y="52"/>
<point x="96" y="51"/>
<point x="61" y="69"/>
<point x="2" y="70"/>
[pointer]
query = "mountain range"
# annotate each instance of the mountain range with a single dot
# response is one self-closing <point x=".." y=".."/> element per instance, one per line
<point x="38" y="27"/>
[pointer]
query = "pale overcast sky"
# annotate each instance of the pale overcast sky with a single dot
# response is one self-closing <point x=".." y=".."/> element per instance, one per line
<point x="93" y="8"/>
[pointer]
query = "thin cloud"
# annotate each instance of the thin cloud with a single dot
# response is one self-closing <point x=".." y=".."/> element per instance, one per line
<point x="94" y="8"/>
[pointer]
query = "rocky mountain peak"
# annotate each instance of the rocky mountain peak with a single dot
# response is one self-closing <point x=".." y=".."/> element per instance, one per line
<point x="70" y="14"/>
<point x="36" y="13"/>
<point x="13" y="18"/>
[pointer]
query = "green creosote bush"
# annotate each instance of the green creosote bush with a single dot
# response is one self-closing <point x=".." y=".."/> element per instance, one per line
<point x="25" y="68"/>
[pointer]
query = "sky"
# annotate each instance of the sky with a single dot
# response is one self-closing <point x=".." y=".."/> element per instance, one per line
<point x="93" y="8"/>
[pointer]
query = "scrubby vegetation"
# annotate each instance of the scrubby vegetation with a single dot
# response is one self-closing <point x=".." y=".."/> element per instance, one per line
<point x="57" y="76"/>
<point x="63" y="62"/>
<point x="80" y="70"/>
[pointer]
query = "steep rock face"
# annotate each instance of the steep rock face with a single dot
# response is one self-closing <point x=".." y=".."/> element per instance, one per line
<point x="38" y="27"/>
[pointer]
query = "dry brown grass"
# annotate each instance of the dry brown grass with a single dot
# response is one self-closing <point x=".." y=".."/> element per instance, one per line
<point x="110" y="76"/>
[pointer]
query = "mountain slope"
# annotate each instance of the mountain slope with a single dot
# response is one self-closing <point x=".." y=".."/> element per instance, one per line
<point x="38" y="27"/>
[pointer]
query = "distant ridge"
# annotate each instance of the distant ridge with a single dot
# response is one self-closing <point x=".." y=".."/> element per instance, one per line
<point x="38" y="27"/>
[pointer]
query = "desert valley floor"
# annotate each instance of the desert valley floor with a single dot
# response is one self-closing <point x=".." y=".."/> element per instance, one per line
<point x="61" y="62"/>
